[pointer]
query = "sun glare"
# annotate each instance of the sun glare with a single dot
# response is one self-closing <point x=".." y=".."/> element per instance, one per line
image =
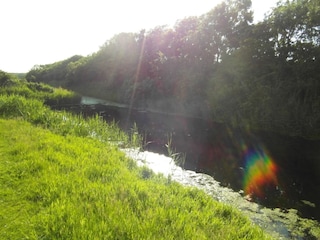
<point x="41" y="32"/>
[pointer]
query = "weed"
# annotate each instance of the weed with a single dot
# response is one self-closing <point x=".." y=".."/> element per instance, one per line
<point x="178" y="158"/>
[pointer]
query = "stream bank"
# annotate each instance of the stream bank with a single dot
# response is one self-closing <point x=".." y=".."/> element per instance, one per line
<point x="279" y="223"/>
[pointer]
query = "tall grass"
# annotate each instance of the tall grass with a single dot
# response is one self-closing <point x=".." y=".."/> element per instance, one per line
<point x="51" y="96"/>
<point x="63" y="123"/>
<point x="70" y="187"/>
<point x="178" y="158"/>
<point x="62" y="177"/>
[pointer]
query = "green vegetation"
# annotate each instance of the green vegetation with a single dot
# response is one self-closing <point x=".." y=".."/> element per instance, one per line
<point x="178" y="158"/>
<point x="63" y="177"/>
<point x="19" y="75"/>
<point x="11" y="85"/>
<point x="220" y="65"/>
<point x="56" y="187"/>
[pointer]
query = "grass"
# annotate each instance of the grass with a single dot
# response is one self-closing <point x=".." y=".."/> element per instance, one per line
<point x="63" y="177"/>
<point x="63" y="123"/>
<point x="11" y="85"/>
<point x="69" y="187"/>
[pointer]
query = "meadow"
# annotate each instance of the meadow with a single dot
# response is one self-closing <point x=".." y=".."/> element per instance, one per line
<point x="63" y="177"/>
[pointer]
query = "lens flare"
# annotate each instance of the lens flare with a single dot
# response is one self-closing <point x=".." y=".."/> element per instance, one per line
<point x="260" y="171"/>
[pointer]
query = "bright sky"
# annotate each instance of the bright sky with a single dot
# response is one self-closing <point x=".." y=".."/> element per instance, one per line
<point x="45" y="31"/>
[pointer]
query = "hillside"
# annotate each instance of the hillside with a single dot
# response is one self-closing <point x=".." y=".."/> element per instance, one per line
<point x="63" y="177"/>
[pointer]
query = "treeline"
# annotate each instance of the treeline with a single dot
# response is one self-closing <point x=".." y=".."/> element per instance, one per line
<point x="220" y="66"/>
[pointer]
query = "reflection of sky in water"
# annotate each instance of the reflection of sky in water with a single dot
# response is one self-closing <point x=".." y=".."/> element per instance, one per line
<point x="260" y="171"/>
<point x="158" y="163"/>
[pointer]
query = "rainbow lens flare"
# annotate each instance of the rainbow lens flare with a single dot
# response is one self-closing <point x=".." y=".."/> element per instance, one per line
<point x="260" y="172"/>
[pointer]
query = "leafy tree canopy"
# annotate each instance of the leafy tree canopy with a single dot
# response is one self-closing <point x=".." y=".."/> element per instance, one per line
<point x="219" y="65"/>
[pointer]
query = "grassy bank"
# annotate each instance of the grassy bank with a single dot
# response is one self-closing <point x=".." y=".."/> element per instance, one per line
<point x="63" y="177"/>
<point x="12" y="85"/>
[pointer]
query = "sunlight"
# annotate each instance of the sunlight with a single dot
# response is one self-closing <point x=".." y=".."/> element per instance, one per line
<point x="41" y="32"/>
<point x="136" y="77"/>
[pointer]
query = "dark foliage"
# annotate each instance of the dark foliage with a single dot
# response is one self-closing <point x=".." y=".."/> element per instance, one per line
<point x="220" y="65"/>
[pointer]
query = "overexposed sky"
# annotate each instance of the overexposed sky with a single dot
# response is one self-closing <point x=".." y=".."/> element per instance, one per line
<point x="45" y="31"/>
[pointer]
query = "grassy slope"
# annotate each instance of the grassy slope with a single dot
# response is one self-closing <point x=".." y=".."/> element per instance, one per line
<point x="62" y="178"/>
<point x="55" y="187"/>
